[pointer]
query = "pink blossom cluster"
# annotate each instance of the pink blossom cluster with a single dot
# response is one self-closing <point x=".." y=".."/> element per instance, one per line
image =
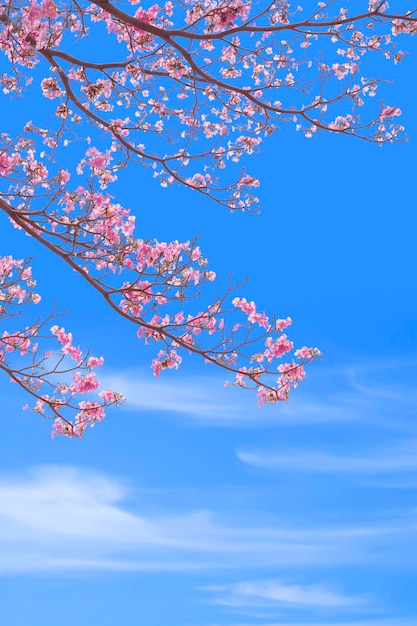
<point x="104" y="233"/>
<point x="65" y="339"/>
<point x="389" y="111"/>
<point x="224" y="76"/>
<point x="250" y="309"/>
<point x="290" y="375"/>
<point x="51" y="89"/>
<point x="218" y="16"/>
<point x="99" y="163"/>
<point x="40" y="23"/>
<point x="16" y="284"/>
<point x="45" y="370"/>
<point x="98" y="235"/>
<point x="65" y="395"/>
<point x="166" y="359"/>
<point x="18" y="340"/>
<point x="89" y="414"/>
<point x="8" y="163"/>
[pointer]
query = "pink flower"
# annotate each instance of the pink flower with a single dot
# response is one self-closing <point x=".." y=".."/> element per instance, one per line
<point x="281" y="324"/>
<point x="50" y="88"/>
<point x="390" y="112"/>
<point x="95" y="361"/>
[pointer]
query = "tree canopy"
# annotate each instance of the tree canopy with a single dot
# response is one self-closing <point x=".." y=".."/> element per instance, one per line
<point x="187" y="89"/>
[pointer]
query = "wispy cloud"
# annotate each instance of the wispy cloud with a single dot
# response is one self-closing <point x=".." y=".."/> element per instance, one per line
<point x="277" y="593"/>
<point x="349" y="394"/>
<point x="396" y="458"/>
<point x="394" y="621"/>
<point x="68" y="518"/>
<point x="192" y="397"/>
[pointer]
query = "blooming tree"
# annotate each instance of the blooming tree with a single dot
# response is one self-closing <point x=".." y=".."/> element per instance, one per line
<point x="184" y="88"/>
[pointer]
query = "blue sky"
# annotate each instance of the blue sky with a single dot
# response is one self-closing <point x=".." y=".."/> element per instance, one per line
<point x="192" y="507"/>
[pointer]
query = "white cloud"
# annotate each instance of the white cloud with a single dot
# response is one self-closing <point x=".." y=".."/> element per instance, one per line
<point x="344" y="398"/>
<point x="81" y="506"/>
<point x="201" y="398"/>
<point x="276" y="593"/>
<point x="207" y="400"/>
<point x="68" y="518"/>
<point x="396" y="621"/>
<point x="396" y="459"/>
